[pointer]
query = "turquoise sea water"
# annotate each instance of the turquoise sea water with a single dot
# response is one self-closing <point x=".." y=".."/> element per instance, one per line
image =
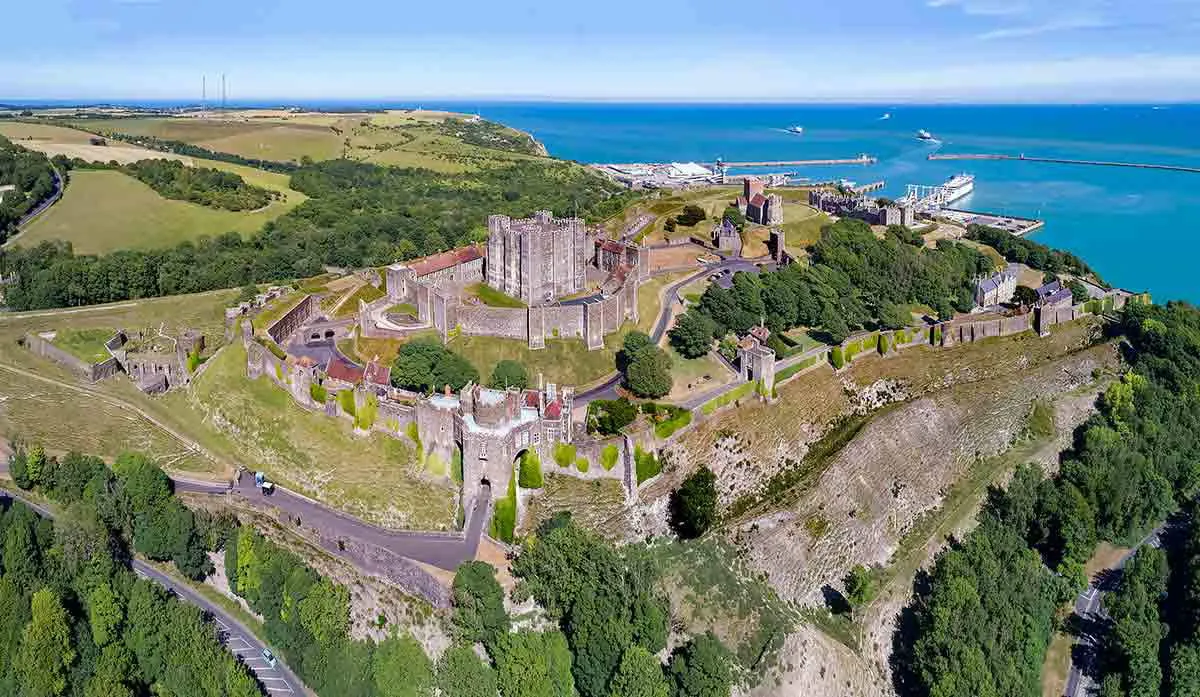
<point x="1140" y="229"/>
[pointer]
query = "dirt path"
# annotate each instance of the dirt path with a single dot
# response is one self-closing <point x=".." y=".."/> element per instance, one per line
<point x="122" y="404"/>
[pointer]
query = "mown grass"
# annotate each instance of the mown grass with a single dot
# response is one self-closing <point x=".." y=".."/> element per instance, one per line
<point x="103" y="211"/>
<point x="85" y="344"/>
<point x="376" y="477"/>
<point x="349" y="307"/>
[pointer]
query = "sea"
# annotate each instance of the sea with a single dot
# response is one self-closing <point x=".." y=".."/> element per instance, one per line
<point x="1138" y="228"/>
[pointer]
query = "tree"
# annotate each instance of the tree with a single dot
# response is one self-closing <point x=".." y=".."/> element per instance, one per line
<point x="694" y="505"/>
<point x="325" y="611"/>
<point x="530" y="470"/>
<point x="649" y="375"/>
<point x="1024" y="296"/>
<point x="45" y="653"/>
<point x="105" y="614"/>
<point x="509" y="373"/>
<point x="534" y="664"/>
<point x="479" y="613"/>
<point x="691" y="215"/>
<point x="114" y="672"/>
<point x="692" y="335"/>
<point x="247" y="293"/>
<point x="35" y="465"/>
<point x="1079" y="292"/>
<point x="460" y="673"/>
<point x="598" y="630"/>
<point x="701" y="668"/>
<point x="735" y="216"/>
<point x="893" y="316"/>
<point x="609" y="416"/>
<point x="632" y="346"/>
<point x="402" y="669"/>
<point x="427" y="366"/>
<point x="639" y="675"/>
<point x="860" y="586"/>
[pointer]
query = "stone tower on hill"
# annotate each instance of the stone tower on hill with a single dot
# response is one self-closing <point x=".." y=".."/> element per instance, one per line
<point x="537" y="259"/>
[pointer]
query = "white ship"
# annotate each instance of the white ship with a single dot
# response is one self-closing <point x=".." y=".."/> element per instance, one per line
<point x="925" y="135"/>
<point x="795" y="129"/>
<point x="958" y="186"/>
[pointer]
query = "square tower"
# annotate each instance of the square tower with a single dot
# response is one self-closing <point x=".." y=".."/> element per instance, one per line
<point x="537" y="259"/>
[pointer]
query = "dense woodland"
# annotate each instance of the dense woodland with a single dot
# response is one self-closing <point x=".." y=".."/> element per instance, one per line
<point x="982" y="623"/>
<point x="202" y="185"/>
<point x="358" y="215"/>
<point x="854" y="280"/>
<point x="1025" y="251"/>
<point x="33" y="176"/>
<point x="74" y="619"/>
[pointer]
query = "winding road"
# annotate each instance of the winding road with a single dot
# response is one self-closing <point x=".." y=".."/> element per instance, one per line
<point x="236" y="637"/>
<point x="608" y="388"/>
<point x="1088" y="607"/>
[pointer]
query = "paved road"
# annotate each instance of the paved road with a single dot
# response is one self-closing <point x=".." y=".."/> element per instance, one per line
<point x="241" y="642"/>
<point x="608" y="388"/>
<point x="442" y="550"/>
<point x="1088" y="606"/>
<point x="41" y="208"/>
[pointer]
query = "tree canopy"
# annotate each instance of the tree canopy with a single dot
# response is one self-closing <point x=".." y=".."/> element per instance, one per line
<point x="427" y="366"/>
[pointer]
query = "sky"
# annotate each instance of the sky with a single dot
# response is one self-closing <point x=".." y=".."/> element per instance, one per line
<point x="630" y="50"/>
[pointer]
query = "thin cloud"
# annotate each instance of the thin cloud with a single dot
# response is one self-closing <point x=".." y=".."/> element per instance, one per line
<point x="982" y="8"/>
<point x="1050" y="27"/>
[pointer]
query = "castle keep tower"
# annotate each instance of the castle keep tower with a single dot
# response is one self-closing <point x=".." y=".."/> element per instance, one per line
<point x="537" y="259"/>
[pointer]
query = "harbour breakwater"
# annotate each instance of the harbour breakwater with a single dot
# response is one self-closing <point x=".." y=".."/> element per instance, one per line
<point x="1061" y="161"/>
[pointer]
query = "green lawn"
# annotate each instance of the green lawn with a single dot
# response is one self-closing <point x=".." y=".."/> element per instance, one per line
<point x="377" y="477"/>
<point x="493" y="298"/>
<point x="367" y="294"/>
<point x="563" y="361"/>
<point x="403" y="309"/>
<point x="85" y="344"/>
<point x="102" y="211"/>
<point x="801" y="225"/>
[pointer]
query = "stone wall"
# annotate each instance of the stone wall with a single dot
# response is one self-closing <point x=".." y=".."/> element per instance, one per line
<point x="87" y="371"/>
<point x="283" y="327"/>
<point x="506" y="322"/>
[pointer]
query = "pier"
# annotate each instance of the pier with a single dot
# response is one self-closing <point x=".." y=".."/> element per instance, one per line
<point x="1062" y="161"/>
<point x="860" y="160"/>
<point x="868" y="188"/>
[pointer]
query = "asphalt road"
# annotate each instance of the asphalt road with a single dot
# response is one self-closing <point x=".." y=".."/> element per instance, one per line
<point x="241" y="642"/>
<point x="1088" y="606"/>
<point x="608" y="388"/>
<point x="445" y="551"/>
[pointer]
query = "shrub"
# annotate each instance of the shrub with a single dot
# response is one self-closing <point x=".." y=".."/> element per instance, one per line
<point x="646" y="464"/>
<point x="318" y="393"/>
<point x="564" y="454"/>
<point x="677" y="419"/>
<point x="837" y="358"/>
<point x="937" y="335"/>
<point x="694" y="505"/>
<point x="609" y="416"/>
<point x="365" y="418"/>
<point x="531" y="470"/>
<point x="885" y="344"/>
<point x="729" y="397"/>
<point x="504" y="519"/>
<point x="346" y="401"/>
<point x="609" y="455"/>
<point x="581" y="464"/>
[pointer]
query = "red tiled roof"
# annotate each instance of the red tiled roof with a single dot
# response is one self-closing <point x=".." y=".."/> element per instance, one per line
<point x="531" y="398"/>
<point x="553" y="410"/>
<point x="611" y="246"/>
<point x="438" y="262"/>
<point x="345" y="372"/>
<point x="758" y="201"/>
<point x="377" y="374"/>
<point x="741" y="200"/>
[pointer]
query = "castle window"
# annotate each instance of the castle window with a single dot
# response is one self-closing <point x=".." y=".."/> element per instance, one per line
<point x="537" y="437"/>
<point x="525" y="438"/>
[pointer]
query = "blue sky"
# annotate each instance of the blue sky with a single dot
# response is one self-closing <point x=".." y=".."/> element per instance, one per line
<point x="773" y="50"/>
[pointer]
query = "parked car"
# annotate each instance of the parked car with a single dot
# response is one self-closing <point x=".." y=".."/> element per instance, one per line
<point x="269" y="657"/>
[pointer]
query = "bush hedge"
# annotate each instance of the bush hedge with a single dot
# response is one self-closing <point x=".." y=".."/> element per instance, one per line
<point x="564" y="454"/>
<point x="531" y="470"/>
<point x="728" y="398"/>
<point x="647" y="464"/>
<point x="346" y="401"/>
<point x="318" y="393"/>
<point x="504" y="519"/>
<point x="837" y="358"/>
<point x="608" y="456"/>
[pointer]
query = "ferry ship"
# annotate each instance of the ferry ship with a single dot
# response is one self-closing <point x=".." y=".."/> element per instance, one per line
<point x="795" y="129"/>
<point x="925" y="135"/>
<point x="958" y="186"/>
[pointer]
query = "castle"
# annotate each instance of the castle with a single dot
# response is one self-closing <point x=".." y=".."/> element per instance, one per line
<point x="536" y="259"/>
<point x="861" y="207"/>
<point x="757" y="205"/>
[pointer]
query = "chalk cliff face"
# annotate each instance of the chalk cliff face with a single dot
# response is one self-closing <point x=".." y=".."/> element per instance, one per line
<point x="946" y="411"/>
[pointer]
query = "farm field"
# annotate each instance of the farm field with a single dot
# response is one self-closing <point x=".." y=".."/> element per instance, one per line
<point x="102" y="211"/>
<point x="278" y="141"/>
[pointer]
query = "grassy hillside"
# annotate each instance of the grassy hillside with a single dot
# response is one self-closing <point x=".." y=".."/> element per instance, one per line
<point x="102" y="211"/>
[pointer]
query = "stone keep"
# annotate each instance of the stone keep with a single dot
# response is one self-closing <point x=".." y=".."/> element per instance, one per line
<point x="537" y="259"/>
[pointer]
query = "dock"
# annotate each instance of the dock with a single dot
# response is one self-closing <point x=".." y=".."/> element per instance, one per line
<point x="868" y="188"/>
<point x="1061" y="161"/>
<point x="860" y="160"/>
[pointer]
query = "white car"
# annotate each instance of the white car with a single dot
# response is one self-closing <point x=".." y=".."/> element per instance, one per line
<point x="268" y="657"/>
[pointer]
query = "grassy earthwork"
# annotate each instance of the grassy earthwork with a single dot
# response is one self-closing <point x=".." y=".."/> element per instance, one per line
<point x="493" y="298"/>
<point x="85" y="344"/>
